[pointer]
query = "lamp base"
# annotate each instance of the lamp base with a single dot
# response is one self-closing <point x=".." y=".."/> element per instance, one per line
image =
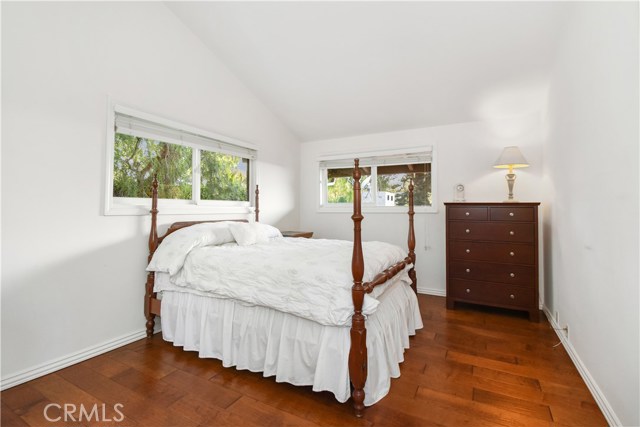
<point x="511" y="179"/>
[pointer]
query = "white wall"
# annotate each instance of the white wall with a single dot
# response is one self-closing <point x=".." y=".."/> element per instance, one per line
<point x="464" y="154"/>
<point x="591" y="220"/>
<point x="71" y="277"/>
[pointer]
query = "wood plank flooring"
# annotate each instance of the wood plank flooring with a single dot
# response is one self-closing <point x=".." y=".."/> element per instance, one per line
<point x="469" y="367"/>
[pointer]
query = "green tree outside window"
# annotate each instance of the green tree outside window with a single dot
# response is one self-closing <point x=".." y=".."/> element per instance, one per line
<point x="223" y="177"/>
<point x="137" y="160"/>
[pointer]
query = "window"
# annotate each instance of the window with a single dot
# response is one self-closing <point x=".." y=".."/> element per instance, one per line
<point x="196" y="171"/>
<point x="137" y="159"/>
<point x="384" y="182"/>
<point x="340" y="185"/>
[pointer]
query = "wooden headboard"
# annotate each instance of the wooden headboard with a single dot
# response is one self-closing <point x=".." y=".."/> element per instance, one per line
<point x="155" y="240"/>
<point x="178" y="225"/>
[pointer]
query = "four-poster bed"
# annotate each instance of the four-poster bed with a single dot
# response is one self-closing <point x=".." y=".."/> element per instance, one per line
<point x="388" y="284"/>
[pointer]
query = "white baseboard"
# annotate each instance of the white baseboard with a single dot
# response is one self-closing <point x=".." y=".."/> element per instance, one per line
<point x="601" y="400"/>
<point x="32" y="373"/>
<point x="431" y="291"/>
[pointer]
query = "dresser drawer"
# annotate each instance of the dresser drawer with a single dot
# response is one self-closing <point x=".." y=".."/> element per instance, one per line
<point x="495" y="294"/>
<point x="511" y="213"/>
<point x="523" y="275"/>
<point x="473" y="213"/>
<point x="510" y="253"/>
<point x="492" y="231"/>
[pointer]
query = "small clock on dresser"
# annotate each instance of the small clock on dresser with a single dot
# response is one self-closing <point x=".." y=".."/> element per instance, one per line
<point x="459" y="190"/>
<point x="492" y="255"/>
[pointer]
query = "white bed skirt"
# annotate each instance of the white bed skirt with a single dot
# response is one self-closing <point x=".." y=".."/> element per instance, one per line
<point x="295" y="350"/>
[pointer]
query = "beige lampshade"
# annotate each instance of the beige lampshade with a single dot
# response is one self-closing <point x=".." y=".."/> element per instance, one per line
<point x="511" y="157"/>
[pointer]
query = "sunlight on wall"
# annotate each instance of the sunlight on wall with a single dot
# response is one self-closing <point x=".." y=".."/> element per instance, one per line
<point x="276" y="205"/>
<point x="521" y="102"/>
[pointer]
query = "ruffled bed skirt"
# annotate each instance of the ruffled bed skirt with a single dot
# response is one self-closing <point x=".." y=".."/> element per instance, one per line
<point x="293" y="349"/>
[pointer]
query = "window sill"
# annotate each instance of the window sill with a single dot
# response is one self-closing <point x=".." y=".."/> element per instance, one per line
<point x="377" y="209"/>
<point x="140" y="210"/>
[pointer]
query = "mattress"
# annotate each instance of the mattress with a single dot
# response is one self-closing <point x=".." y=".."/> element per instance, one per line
<point x="310" y="278"/>
<point x="291" y="348"/>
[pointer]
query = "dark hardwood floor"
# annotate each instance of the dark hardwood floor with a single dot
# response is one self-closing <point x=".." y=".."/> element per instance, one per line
<point x="469" y="367"/>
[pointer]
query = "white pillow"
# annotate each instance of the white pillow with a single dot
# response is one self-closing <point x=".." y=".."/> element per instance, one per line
<point x="170" y="255"/>
<point x="269" y="230"/>
<point x="248" y="234"/>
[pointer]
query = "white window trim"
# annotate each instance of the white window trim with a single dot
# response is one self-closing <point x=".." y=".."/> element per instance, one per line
<point x="371" y="208"/>
<point x="141" y="206"/>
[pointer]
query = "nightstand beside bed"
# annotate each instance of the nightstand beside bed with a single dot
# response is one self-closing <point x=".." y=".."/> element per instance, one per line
<point x="305" y="234"/>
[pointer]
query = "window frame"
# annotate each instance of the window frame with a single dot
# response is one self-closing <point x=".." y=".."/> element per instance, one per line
<point x="325" y="207"/>
<point x="140" y="206"/>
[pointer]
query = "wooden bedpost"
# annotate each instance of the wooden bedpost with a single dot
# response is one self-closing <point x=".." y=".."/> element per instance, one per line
<point x="153" y="244"/>
<point x="412" y="241"/>
<point x="358" y="350"/>
<point x="257" y="202"/>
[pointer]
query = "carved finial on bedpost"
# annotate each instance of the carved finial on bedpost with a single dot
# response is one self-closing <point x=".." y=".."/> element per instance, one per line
<point x="153" y="235"/>
<point x="412" y="241"/>
<point x="153" y="245"/>
<point x="257" y="202"/>
<point x="358" y="350"/>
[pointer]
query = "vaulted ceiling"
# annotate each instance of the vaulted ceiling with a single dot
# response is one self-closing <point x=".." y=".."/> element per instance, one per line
<point x="334" y="69"/>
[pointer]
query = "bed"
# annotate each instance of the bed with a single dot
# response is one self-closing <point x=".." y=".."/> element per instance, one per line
<point x="239" y="292"/>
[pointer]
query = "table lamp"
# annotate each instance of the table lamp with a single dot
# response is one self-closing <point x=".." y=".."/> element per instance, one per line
<point x="511" y="158"/>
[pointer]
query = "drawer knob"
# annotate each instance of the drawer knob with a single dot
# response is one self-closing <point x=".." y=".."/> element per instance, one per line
<point x="467" y="231"/>
<point x="468" y="270"/>
<point x="468" y="251"/>
<point x="468" y="290"/>
<point x="512" y="253"/>
<point x="512" y="274"/>
<point x="510" y="213"/>
<point x="466" y="213"/>
<point x="512" y="233"/>
<point x="512" y="296"/>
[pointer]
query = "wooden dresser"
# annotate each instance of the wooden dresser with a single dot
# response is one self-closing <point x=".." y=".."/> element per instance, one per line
<point x="492" y="255"/>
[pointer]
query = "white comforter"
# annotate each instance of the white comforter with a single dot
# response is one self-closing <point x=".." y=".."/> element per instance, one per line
<point x="310" y="278"/>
